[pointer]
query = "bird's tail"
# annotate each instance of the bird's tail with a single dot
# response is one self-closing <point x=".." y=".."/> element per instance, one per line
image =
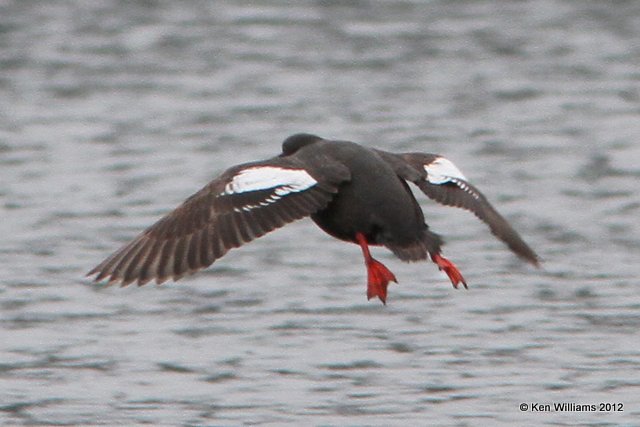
<point x="429" y="243"/>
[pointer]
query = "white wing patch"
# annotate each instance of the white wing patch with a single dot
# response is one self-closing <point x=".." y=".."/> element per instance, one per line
<point x="442" y="170"/>
<point x="282" y="181"/>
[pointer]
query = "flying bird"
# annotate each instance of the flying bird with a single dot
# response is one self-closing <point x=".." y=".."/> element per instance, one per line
<point x="354" y="193"/>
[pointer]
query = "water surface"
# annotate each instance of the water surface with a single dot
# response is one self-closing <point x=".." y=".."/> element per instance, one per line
<point x="111" y="113"/>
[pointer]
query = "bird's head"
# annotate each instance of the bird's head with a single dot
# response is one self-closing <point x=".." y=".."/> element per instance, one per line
<point x="297" y="141"/>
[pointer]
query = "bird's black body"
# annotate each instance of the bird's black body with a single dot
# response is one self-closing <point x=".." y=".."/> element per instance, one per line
<point x="352" y="192"/>
<point x="374" y="202"/>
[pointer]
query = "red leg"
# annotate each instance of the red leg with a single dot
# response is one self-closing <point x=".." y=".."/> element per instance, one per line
<point x="378" y="276"/>
<point x="450" y="268"/>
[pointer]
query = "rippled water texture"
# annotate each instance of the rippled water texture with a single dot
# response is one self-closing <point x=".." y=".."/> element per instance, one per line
<point x="113" y="112"/>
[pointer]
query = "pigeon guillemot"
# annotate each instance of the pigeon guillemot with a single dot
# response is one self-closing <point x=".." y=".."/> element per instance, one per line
<point x="353" y="193"/>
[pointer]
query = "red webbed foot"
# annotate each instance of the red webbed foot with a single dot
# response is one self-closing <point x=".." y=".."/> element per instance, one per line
<point x="450" y="268"/>
<point x="378" y="277"/>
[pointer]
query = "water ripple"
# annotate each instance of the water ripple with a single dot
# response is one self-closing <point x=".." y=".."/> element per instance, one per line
<point x="112" y="113"/>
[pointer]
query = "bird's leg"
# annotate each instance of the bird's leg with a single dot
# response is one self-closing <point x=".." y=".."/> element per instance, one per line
<point x="378" y="276"/>
<point x="450" y="268"/>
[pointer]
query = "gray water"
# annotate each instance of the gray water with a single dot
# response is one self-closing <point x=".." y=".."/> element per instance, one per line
<point x="113" y="112"/>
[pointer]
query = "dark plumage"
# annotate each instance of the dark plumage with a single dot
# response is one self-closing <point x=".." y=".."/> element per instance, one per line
<point x="354" y="193"/>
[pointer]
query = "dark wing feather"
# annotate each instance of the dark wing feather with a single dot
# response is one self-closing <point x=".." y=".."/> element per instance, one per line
<point x="453" y="190"/>
<point x="225" y="214"/>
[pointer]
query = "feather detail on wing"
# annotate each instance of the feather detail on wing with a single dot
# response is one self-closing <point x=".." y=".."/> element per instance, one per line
<point x="242" y="204"/>
<point x="443" y="182"/>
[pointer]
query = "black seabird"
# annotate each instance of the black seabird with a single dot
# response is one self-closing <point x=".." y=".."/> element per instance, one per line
<point x="354" y="193"/>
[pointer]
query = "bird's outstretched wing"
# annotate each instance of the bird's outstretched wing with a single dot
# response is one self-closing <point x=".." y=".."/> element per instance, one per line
<point x="244" y="203"/>
<point x="443" y="182"/>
